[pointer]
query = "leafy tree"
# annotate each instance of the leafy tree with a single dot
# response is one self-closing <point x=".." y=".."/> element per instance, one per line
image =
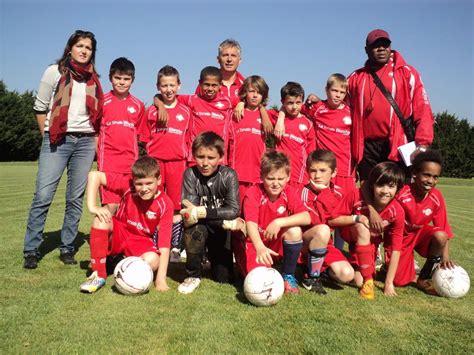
<point x="454" y="138"/>
<point x="19" y="135"/>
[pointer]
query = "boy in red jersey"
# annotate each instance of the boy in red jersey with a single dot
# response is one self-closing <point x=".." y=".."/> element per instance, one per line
<point x="247" y="139"/>
<point x="299" y="138"/>
<point x="385" y="180"/>
<point x="168" y="144"/>
<point x="320" y="197"/>
<point x="122" y="113"/>
<point x="427" y="229"/>
<point x="141" y="226"/>
<point x="210" y="111"/>
<point x="273" y="213"/>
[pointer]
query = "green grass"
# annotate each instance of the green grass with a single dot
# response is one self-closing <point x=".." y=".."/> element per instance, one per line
<point x="43" y="312"/>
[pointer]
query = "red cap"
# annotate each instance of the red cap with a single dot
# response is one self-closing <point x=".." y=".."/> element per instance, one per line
<point x="375" y="35"/>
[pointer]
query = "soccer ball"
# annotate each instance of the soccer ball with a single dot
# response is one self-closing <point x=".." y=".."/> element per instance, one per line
<point x="263" y="286"/>
<point x="133" y="276"/>
<point x="452" y="283"/>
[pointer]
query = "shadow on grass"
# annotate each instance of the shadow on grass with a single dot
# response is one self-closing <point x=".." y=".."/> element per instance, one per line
<point x="52" y="241"/>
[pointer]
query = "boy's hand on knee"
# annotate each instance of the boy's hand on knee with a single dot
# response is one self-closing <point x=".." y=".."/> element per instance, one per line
<point x="264" y="256"/>
<point x="389" y="290"/>
<point x="272" y="230"/>
<point x="102" y="213"/>
<point x="191" y="213"/>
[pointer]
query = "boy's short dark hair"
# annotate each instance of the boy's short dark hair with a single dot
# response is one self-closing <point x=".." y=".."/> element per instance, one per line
<point x="337" y="78"/>
<point x="258" y="83"/>
<point x="321" y="155"/>
<point x="210" y="71"/>
<point x="167" y="70"/>
<point x="208" y="140"/>
<point x="273" y="161"/>
<point x="292" y="89"/>
<point x="123" y="66"/>
<point x="430" y="156"/>
<point x="144" y="167"/>
<point x="387" y="172"/>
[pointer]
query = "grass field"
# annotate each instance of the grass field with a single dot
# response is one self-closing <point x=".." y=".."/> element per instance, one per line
<point x="42" y="310"/>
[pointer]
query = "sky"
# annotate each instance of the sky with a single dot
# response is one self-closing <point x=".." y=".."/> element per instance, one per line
<point x="292" y="40"/>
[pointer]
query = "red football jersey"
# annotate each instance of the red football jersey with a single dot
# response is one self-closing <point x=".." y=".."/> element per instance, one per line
<point x="333" y="132"/>
<point x="214" y="115"/>
<point x="246" y="146"/>
<point x="118" y="146"/>
<point x="297" y="142"/>
<point x="431" y="209"/>
<point x="150" y="219"/>
<point x="320" y="206"/>
<point x="167" y="142"/>
<point x="259" y="209"/>
<point x="392" y="215"/>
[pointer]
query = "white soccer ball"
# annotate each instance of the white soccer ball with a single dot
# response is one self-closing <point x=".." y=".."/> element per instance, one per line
<point x="133" y="276"/>
<point x="264" y="286"/>
<point x="452" y="283"/>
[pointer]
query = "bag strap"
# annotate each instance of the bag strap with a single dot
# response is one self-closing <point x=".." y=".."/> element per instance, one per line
<point x="404" y="122"/>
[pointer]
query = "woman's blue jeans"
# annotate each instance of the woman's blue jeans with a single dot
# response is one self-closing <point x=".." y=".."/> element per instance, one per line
<point x="75" y="154"/>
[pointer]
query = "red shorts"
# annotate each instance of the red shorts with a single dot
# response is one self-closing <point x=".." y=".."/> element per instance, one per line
<point x="172" y="179"/>
<point x="419" y="242"/>
<point x="333" y="255"/>
<point x="345" y="183"/>
<point x="124" y="242"/>
<point x="107" y="196"/>
<point x="246" y="255"/>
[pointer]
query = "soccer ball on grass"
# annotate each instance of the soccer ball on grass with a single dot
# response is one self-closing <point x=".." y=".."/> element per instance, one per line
<point x="452" y="283"/>
<point x="263" y="286"/>
<point x="133" y="276"/>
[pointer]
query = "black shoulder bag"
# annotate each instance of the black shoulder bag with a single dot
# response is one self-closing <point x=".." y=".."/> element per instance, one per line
<point x="407" y="124"/>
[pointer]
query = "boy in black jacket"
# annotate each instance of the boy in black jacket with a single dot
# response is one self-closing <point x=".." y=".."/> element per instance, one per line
<point x="210" y="199"/>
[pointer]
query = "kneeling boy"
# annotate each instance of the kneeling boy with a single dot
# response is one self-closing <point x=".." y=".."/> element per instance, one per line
<point x="210" y="196"/>
<point x="273" y="213"/>
<point x="320" y="197"/>
<point x="141" y="226"/>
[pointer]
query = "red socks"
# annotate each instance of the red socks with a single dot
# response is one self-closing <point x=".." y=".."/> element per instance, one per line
<point x="99" y="244"/>
<point x="365" y="257"/>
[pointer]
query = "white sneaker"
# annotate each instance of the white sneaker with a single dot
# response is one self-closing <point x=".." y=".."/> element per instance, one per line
<point x="417" y="267"/>
<point x="189" y="285"/>
<point x="175" y="255"/>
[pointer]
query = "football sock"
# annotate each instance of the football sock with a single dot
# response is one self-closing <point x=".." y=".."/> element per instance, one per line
<point x="315" y="261"/>
<point x="426" y="270"/>
<point x="177" y="234"/>
<point x="99" y="244"/>
<point x="291" y="252"/>
<point x="365" y="257"/>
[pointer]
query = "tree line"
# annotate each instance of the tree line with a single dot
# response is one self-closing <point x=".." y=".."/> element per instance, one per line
<point x="20" y="139"/>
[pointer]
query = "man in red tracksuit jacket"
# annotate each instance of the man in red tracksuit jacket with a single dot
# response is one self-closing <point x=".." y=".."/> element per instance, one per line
<point x="376" y="129"/>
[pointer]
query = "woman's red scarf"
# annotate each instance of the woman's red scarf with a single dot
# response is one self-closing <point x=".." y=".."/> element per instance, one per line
<point x="62" y="98"/>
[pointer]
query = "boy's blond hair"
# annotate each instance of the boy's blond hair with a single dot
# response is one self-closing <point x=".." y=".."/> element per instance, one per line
<point x="337" y="78"/>
<point x="273" y="161"/>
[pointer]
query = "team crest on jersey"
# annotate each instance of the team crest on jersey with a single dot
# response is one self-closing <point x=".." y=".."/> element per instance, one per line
<point x="179" y="117"/>
<point x="281" y="209"/>
<point x="219" y="104"/>
<point x="131" y="109"/>
<point x="302" y="127"/>
<point x="427" y="211"/>
<point x="236" y="92"/>
<point x="347" y="120"/>
<point x="259" y="120"/>
<point x="151" y="215"/>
